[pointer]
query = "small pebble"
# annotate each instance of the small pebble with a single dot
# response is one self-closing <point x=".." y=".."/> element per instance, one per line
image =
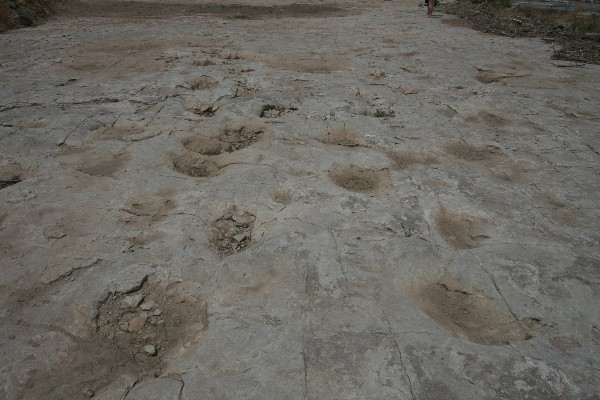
<point x="132" y="301"/>
<point x="240" y="237"/>
<point x="149" y="305"/>
<point x="136" y="324"/>
<point x="150" y="350"/>
<point x="157" y="312"/>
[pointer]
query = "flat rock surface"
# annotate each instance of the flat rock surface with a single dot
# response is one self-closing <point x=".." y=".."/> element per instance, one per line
<point x="323" y="201"/>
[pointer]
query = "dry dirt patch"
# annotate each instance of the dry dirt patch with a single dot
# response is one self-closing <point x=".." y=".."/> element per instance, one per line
<point x="489" y="76"/>
<point x="247" y="88"/>
<point x="194" y="165"/>
<point x="120" y="131"/>
<point x="118" y="58"/>
<point x="232" y="232"/>
<point x="150" y="208"/>
<point x="123" y="57"/>
<point x="342" y="136"/>
<point x="356" y="179"/>
<point x="489" y="160"/>
<point x="10" y="174"/>
<point x="139" y="324"/>
<point x="283" y="196"/>
<point x="406" y="90"/>
<point x="461" y="230"/>
<point x="469" y="152"/>
<point x="469" y="315"/>
<point x="273" y="111"/>
<point x="488" y="118"/>
<point x="103" y="164"/>
<point x="401" y="160"/>
<point x="559" y="210"/>
<point x="135" y="333"/>
<point x="204" y="108"/>
<point x="149" y="9"/>
<point x="311" y="63"/>
<point x="233" y="138"/>
<point x="203" y="82"/>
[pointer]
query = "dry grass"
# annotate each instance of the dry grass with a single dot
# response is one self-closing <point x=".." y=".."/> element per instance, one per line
<point x="341" y="136"/>
<point x="576" y="33"/>
<point x="283" y="196"/>
<point x="579" y="20"/>
<point x="167" y="9"/>
<point x="16" y="13"/>
<point x="401" y="160"/>
<point x="583" y="23"/>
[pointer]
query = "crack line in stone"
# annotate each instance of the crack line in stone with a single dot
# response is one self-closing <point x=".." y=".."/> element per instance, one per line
<point x="395" y="343"/>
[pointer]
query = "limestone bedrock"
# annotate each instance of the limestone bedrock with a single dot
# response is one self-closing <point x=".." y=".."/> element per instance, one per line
<point x="267" y="200"/>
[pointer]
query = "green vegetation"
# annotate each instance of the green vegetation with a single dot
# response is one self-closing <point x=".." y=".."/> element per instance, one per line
<point x="384" y="113"/>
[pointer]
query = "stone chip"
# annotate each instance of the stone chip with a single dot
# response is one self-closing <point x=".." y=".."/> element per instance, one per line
<point x="132" y="301"/>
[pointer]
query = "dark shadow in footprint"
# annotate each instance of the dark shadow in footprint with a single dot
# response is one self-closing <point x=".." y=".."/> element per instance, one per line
<point x="10" y="174"/>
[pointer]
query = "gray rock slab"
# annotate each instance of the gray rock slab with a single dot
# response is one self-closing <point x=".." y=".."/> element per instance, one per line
<point x="156" y="389"/>
<point x="419" y="204"/>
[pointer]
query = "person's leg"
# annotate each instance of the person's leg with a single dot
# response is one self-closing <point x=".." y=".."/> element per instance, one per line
<point x="430" y="4"/>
